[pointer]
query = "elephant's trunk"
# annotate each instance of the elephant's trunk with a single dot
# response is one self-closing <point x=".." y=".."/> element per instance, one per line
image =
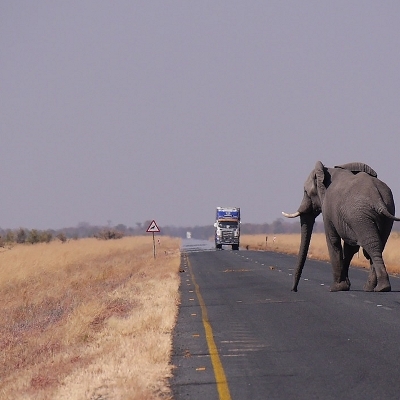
<point x="307" y="223"/>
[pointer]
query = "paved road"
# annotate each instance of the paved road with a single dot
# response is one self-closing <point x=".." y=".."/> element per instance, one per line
<point x="242" y="334"/>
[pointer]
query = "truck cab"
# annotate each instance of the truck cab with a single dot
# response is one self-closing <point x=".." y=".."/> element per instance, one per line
<point x="227" y="227"/>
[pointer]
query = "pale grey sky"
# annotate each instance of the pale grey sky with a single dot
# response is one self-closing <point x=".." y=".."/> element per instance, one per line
<point x="126" y="111"/>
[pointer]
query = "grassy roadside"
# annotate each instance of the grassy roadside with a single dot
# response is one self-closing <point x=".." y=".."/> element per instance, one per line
<point x="290" y="243"/>
<point x="88" y="319"/>
<point x="92" y="319"/>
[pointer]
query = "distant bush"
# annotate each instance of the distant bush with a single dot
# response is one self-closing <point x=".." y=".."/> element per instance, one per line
<point x="21" y="236"/>
<point x="46" y="237"/>
<point x="107" y="234"/>
<point x="61" y="236"/>
<point x="33" y="237"/>
<point x="10" y="237"/>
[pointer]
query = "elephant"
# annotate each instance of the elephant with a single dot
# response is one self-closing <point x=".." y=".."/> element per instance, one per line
<point x="358" y="209"/>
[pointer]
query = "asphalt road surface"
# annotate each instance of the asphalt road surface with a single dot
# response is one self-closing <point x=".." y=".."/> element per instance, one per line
<point x="242" y="334"/>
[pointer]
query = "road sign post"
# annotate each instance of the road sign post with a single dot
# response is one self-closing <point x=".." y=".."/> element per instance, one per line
<point x="152" y="229"/>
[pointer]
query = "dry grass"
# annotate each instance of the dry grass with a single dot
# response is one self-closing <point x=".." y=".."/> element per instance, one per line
<point x="318" y="249"/>
<point x="88" y="319"/>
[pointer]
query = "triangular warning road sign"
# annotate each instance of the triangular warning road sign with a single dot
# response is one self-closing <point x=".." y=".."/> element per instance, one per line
<point x="153" y="227"/>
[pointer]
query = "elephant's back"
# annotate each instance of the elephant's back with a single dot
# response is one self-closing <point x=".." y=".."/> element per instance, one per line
<point x="374" y="190"/>
<point x="361" y="192"/>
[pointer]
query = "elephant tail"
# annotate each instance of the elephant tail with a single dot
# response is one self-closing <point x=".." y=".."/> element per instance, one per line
<point x="384" y="211"/>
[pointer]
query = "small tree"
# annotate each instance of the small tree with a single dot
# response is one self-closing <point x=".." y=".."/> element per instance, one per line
<point x="33" y="236"/>
<point x="10" y="237"/>
<point x="46" y="237"/>
<point x="21" y="235"/>
<point x="61" y="236"/>
<point x="107" y="234"/>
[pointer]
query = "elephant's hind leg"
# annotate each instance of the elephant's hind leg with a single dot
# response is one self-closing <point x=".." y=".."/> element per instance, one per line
<point x="372" y="280"/>
<point x="378" y="279"/>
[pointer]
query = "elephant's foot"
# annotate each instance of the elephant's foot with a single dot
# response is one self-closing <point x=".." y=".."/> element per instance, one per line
<point x="370" y="286"/>
<point x="383" y="287"/>
<point x="342" y="286"/>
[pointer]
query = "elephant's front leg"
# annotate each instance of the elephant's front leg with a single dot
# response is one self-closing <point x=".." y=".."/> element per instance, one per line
<point x="340" y="276"/>
<point x="348" y="252"/>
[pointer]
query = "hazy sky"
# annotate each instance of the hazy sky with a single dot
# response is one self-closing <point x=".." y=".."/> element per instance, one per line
<point x="127" y="111"/>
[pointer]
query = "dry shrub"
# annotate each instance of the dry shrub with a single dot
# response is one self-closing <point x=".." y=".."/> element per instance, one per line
<point x="107" y="234"/>
<point x="88" y="319"/>
<point x="290" y="243"/>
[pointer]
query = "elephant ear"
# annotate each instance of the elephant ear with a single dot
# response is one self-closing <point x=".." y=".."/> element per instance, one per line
<point x="319" y="177"/>
<point x="358" y="167"/>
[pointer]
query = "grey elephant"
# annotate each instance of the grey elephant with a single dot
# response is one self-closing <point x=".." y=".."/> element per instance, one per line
<point x="357" y="208"/>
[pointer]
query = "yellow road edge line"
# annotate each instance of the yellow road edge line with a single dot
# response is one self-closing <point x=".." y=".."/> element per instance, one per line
<point x="219" y="373"/>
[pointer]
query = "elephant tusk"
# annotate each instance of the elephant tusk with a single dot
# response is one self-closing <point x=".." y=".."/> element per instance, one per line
<point x="294" y="215"/>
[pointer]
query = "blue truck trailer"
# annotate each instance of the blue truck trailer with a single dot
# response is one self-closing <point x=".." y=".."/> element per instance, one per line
<point x="227" y="227"/>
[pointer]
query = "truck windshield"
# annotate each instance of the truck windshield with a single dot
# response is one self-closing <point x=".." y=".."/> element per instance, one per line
<point x="228" y="224"/>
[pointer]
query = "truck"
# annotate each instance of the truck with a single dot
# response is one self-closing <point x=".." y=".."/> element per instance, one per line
<point x="227" y="227"/>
